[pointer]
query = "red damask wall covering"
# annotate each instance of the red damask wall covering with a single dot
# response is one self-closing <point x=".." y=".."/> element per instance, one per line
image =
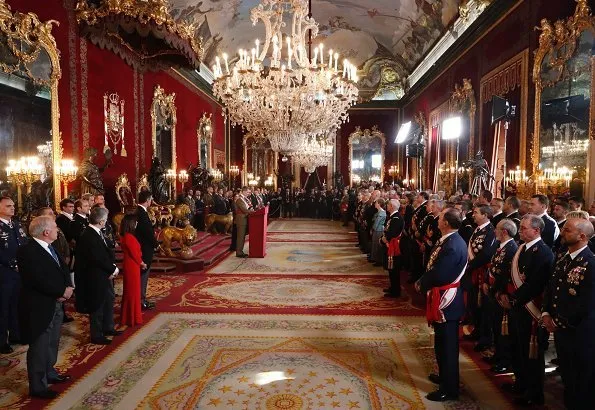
<point x="89" y="72"/>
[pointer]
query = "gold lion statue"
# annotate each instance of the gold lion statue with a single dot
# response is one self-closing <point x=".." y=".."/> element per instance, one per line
<point x="183" y="236"/>
<point x="181" y="213"/>
<point x="212" y="221"/>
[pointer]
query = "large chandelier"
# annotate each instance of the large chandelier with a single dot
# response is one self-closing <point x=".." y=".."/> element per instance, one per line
<point x="315" y="153"/>
<point x="281" y="90"/>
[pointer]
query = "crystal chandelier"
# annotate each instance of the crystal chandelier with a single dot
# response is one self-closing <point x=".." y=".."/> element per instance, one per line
<point x="279" y="90"/>
<point x="314" y="154"/>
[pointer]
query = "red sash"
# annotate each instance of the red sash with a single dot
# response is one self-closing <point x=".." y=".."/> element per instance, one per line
<point x="394" y="247"/>
<point x="433" y="311"/>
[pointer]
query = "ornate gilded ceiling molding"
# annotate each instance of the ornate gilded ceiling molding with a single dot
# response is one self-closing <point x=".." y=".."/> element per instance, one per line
<point x="141" y="32"/>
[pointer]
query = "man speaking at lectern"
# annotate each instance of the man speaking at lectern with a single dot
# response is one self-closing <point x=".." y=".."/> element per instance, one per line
<point x="243" y="209"/>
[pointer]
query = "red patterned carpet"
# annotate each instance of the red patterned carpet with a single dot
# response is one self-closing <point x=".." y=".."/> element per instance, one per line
<point x="325" y="339"/>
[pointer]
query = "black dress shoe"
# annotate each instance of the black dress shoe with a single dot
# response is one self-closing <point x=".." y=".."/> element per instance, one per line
<point x="6" y="349"/>
<point x="103" y="341"/>
<point x="67" y="319"/>
<point x="441" y="396"/>
<point x="480" y="347"/>
<point x="489" y="359"/>
<point x="113" y="332"/>
<point x="61" y="378"/>
<point x="434" y="378"/>
<point x="48" y="394"/>
<point x="146" y="306"/>
<point x="499" y="369"/>
<point x="524" y="402"/>
<point x="243" y="255"/>
<point x="387" y="290"/>
<point x="511" y="388"/>
<point x="150" y="304"/>
<point x="471" y="336"/>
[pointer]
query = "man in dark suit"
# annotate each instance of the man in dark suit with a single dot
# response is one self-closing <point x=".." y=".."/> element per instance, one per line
<point x="497" y="206"/>
<point x="243" y="209"/>
<point x="146" y="237"/>
<point x="561" y="208"/>
<point x="390" y="239"/>
<point x="46" y="285"/>
<point x="468" y="225"/>
<point x="80" y="220"/>
<point x="498" y="283"/>
<point x="567" y="312"/>
<point x="511" y="211"/>
<point x="11" y="237"/>
<point x="94" y="269"/>
<point x="65" y="217"/>
<point x="538" y="206"/>
<point x="416" y="234"/>
<point x="530" y="272"/>
<point x="440" y="281"/>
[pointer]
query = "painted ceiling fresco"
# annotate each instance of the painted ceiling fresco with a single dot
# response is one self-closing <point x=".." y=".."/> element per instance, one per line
<point x="385" y="38"/>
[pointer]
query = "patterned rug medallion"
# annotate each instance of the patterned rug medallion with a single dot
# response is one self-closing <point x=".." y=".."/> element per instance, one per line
<point x="294" y="294"/>
<point x="313" y="259"/>
<point x="215" y="361"/>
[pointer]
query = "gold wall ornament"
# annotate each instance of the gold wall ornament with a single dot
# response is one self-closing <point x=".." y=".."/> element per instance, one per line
<point x="140" y="31"/>
<point x="204" y="135"/>
<point x="26" y="29"/>
<point x="370" y="139"/>
<point x="563" y="63"/>
<point x="113" y="123"/>
<point x="164" y="108"/>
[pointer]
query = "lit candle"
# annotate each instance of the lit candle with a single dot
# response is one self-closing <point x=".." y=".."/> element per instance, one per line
<point x="336" y="61"/>
<point x="226" y="63"/>
<point x="315" y="56"/>
<point x="289" y="55"/>
<point x="257" y="48"/>
<point x="330" y="58"/>
<point x="345" y="62"/>
<point x="321" y="46"/>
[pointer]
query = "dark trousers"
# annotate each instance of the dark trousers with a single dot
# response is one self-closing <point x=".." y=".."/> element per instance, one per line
<point x="102" y="320"/>
<point x="417" y="260"/>
<point x="144" y="281"/>
<point x="394" y="276"/>
<point x="576" y="358"/>
<point x="43" y="354"/>
<point x="488" y="318"/>
<point x="529" y="373"/>
<point x="9" y="300"/>
<point x="502" y="351"/>
<point x="446" y="348"/>
<point x="234" y="237"/>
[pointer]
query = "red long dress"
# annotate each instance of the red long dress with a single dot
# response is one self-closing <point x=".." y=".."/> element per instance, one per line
<point x="131" y="314"/>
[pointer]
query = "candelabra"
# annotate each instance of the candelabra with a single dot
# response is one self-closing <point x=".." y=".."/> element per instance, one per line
<point x="393" y="171"/>
<point x="183" y="177"/>
<point x="253" y="181"/>
<point x="67" y="173"/>
<point x="171" y="177"/>
<point x="554" y="181"/>
<point x="234" y="171"/>
<point x="216" y="174"/>
<point x="269" y="181"/>
<point x="25" y="171"/>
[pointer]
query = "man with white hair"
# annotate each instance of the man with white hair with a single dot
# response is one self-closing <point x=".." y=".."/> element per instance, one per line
<point x="391" y="239"/>
<point x="46" y="285"/>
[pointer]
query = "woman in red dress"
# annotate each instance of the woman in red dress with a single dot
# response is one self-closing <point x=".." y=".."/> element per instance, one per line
<point x="131" y="314"/>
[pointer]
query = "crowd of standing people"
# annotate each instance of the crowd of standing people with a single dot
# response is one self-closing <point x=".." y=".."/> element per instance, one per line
<point x="504" y="269"/>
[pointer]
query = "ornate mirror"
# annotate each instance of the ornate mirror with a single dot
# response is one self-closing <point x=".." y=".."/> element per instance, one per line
<point x="163" y="126"/>
<point x="259" y="160"/>
<point x="563" y="76"/>
<point x="204" y="134"/>
<point x="366" y="155"/>
<point x="29" y="113"/>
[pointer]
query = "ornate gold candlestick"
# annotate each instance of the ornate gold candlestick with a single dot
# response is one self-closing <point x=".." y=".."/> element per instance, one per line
<point x="67" y="173"/>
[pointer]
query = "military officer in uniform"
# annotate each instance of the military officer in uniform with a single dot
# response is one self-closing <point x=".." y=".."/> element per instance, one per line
<point x="481" y="248"/>
<point x="390" y="239"/>
<point x="568" y="309"/>
<point x="243" y="209"/>
<point x="11" y="237"/>
<point x="494" y="315"/>
<point x="445" y="304"/>
<point x="530" y="271"/>
<point x="416" y="234"/>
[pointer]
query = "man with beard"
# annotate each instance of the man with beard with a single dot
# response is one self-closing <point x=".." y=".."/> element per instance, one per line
<point x="568" y="313"/>
<point x="538" y="206"/>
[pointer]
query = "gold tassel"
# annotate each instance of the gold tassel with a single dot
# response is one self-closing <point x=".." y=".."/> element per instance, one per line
<point x="390" y="262"/>
<point x="504" y="330"/>
<point x="123" y="152"/>
<point x="479" y="297"/>
<point x="533" y="347"/>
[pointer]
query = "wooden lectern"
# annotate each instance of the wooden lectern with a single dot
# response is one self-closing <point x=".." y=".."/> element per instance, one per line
<point x="257" y="226"/>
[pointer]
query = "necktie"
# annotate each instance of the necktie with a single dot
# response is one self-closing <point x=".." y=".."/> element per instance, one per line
<point x="54" y="254"/>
